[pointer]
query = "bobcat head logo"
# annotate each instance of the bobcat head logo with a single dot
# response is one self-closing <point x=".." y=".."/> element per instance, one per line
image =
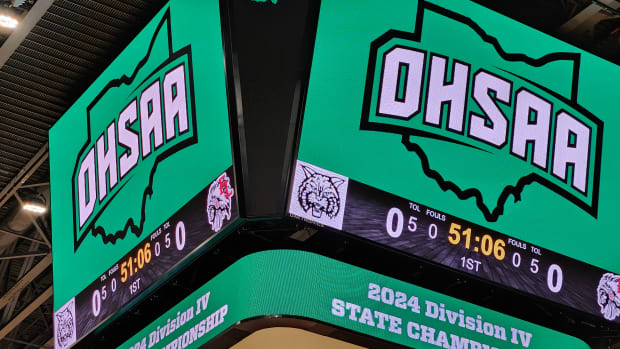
<point x="319" y="193"/>
<point x="608" y="296"/>
<point x="219" y="202"/>
<point x="64" y="327"/>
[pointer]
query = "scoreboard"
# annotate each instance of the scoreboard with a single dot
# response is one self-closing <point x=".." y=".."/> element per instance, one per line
<point x="434" y="128"/>
<point x="141" y="169"/>
<point x="441" y="131"/>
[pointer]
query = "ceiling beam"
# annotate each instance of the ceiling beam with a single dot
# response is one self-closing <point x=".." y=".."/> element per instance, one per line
<point x="13" y="340"/>
<point x="26" y="266"/>
<point x="49" y="344"/>
<point x="4" y="231"/>
<point x="11" y="325"/>
<point x="35" y="185"/>
<point x="27" y="279"/>
<point x="22" y="176"/>
<point x="23" y="29"/>
<point x="23" y="255"/>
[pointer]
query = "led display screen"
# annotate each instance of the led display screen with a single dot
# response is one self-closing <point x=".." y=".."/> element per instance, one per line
<point x="141" y="168"/>
<point x="455" y="134"/>
<point x="301" y="284"/>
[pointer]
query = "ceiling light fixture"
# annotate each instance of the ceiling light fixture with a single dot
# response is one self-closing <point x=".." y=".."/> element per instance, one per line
<point x="35" y="203"/>
<point x="7" y="20"/>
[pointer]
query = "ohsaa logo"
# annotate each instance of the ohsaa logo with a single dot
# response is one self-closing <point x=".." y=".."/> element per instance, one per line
<point x="608" y="296"/>
<point x="64" y="325"/>
<point x="219" y="202"/>
<point x="318" y="195"/>
<point x="133" y="124"/>
<point x="485" y="123"/>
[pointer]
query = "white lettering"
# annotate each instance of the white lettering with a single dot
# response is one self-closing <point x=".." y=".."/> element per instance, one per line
<point x="389" y="102"/>
<point x="535" y="131"/>
<point x="338" y="307"/>
<point x="440" y="92"/>
<point x="106" y="161"/>
<point x="175" y="101"/>
<point x="128" y="138"/>
<point x="572" y="147"/>
<point x="86" y="201"/>
<point x="495" y="132"/>
<point x="150" y="118"/>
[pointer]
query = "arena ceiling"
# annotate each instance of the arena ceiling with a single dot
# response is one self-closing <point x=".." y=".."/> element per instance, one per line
<point x="57" y="51"/>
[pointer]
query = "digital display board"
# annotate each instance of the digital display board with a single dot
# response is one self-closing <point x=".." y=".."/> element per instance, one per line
<point x="300" y="284"/>
<point x="455" y="134"/>
<point x="141" y="168"/>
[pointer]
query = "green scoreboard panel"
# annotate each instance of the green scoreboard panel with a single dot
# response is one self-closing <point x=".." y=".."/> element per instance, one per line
<point x="457" y="135"/>
<point x="141" y="168"/>
<point x="303" y="285"/>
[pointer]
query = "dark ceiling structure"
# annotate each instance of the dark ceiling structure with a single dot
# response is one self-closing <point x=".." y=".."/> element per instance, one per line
<point x="58" y="50"/>
<point x="46" y="63"/>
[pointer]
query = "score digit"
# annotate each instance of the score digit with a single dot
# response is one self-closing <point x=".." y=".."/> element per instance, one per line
<point x="554" y="278"/>
<point x="96" y="303"/>
<point x="180" y="235"/>
<point x="394" y="214"/>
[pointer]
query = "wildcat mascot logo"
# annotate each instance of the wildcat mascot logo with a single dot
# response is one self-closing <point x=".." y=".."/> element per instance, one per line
<point x="64" y="323"/>
<point x="484" y="123"/>
<point x="318" y="195"/>
<point x="132" y="125"/>
<point x="219" y="202"/>
<point x="608" y="296"/>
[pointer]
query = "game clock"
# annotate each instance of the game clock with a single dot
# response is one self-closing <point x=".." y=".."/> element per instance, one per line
<point x="134" y="271"/>
<point x="478" y="245"/>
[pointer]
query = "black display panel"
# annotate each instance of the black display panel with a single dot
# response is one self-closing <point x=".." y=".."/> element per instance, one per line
<point x="328" y="199"/>
<point x="151" y="261"/>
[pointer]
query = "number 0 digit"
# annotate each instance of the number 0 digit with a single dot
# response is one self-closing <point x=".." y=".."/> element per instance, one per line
<point x="180" y="235"/>
<point x="393" y="213"/>
<point x="432" y="231"/>
<point x="554" y="272"/>
<point x="96" y="303"/>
